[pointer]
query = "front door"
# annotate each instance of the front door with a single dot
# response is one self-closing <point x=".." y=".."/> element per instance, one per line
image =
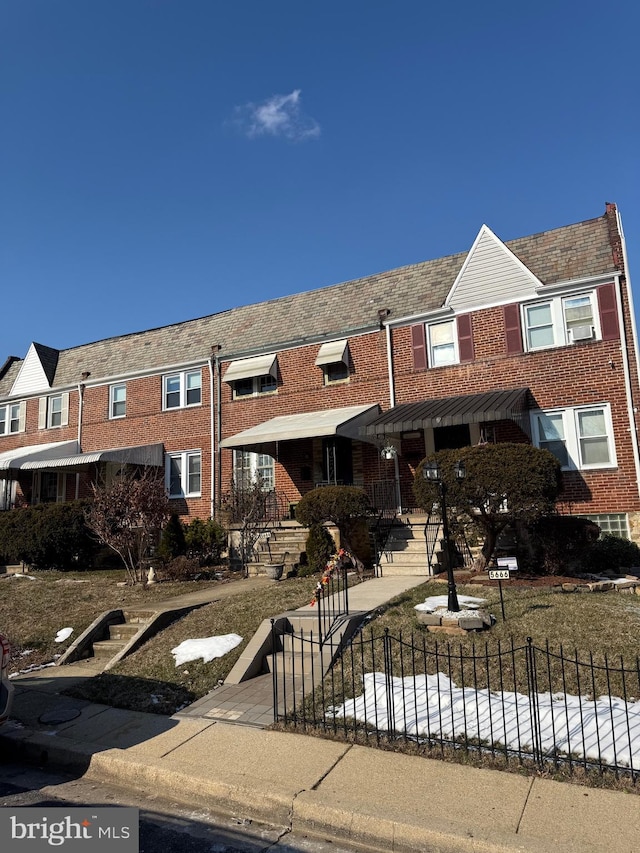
<point x="337" y="460"/>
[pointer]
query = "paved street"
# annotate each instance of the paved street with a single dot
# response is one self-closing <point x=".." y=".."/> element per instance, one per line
<point x="164" y="827"/>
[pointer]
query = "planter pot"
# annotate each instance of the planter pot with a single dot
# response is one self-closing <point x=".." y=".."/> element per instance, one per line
<point x="274" y="570"/>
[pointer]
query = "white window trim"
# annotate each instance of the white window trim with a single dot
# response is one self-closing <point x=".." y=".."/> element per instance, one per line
<point x="252" y="469"/>
<point x="183" y="456"/>
<point x="22" y="411"/>
<point x="112" y="400"/>
<point x="183" y="390"/>
<point x="45" y="413"/>
<point x="456" y="352"/>
<point x="256" y="392"/>
<point x="561" y="335"/>
<point x="572" y="436"/>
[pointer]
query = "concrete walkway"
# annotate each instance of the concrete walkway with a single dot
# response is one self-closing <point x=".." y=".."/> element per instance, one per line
<point x="352" y="794"/>
<point x="250" y="703"/>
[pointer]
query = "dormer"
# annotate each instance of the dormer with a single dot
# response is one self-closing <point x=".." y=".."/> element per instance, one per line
<point x="38" y="371"/>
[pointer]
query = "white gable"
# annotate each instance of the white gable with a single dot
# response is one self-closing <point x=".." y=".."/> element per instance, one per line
<point x="32" y="377"/>
<point x="490" y="275"/>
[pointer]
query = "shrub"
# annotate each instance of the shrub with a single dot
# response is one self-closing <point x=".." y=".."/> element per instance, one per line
<point x="205" y="541"/>
<point x="320" y="545"/>
<point x="557" y="544"/>
<point x="348" y="507"/>
<point x="506" y="484"/>
<point x="181" y="568"/>
<point x="612" y="552"/>
<point x="48" y="536"/>
<point x="172" y="539"/>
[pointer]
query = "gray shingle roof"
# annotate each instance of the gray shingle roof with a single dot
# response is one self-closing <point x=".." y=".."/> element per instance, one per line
<point x="574" y="251"/>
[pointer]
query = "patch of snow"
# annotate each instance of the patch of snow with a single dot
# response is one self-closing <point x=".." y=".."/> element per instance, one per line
<point x="206" y="648"/>
<point x="28" y="577"/>
<point x="606" y="729"/>
<point x="63" y="634"/>
<point x="34" y="668"/>
<point x="435" y="602"/>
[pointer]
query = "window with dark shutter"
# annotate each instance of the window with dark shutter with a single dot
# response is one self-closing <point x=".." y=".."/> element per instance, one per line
<point x="608" y="307"/>
<point x="465" y="338"/>
<point x="513" y="333"/>
<point x="419" y="347"/>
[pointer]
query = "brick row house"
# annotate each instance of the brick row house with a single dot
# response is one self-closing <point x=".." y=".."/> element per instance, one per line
<point x="529" y="340"/>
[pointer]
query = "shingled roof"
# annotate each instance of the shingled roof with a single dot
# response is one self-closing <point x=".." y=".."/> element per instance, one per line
<point x="562" y="254"/>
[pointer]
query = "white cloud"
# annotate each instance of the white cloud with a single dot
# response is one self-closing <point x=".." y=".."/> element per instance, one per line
<point x="279" y="115"/>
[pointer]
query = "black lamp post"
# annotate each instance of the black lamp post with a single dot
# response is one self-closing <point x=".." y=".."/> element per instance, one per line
<point x="431" y="471"/>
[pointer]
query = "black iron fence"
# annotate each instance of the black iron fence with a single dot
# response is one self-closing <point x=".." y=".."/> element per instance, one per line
<point x="519" y="704"/>
<point x="332" y="600"/>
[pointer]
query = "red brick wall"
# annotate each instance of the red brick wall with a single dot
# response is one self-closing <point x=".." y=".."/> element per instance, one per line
<point x="560" y="377"/>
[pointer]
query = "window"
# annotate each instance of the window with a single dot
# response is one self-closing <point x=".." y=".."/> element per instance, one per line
<point x="580" y="438"/>
<point x="53" y="411"/>
<point x="252" y="386"/>
<point x="561" y="321"/>
<point x="49" y="487"/>
<point x="183" y="474"/>
<point x="12" y="418"/>
<point x="614" y="523"/>
<point x="182" y="389"/>
<point x="441" y="339"/>
<point x="336" y="372"/>
<point x="117" y="401"/>
<point x="247" y="466"/>
<point x="334" y="358"/>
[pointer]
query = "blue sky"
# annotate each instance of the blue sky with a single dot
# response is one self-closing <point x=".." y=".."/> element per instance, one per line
<point x="166" y="159"/>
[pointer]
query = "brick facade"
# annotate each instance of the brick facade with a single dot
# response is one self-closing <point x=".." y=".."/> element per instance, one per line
<point x="368" y="314"/>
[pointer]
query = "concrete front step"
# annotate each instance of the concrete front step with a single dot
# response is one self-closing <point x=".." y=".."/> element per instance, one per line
<point x="106" y="649"/>
<point x="398" y="570"/>
<point x="124" y="631"/>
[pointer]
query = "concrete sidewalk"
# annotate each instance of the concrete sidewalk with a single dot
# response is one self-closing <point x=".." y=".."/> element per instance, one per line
<point x="382" y="801"/>
<point x="362" y="796"/>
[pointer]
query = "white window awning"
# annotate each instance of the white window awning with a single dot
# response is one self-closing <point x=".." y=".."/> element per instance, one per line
<point x="247" y="368"/>
<point x="142" y="454"/>
<point x="346" y="421"/>
<point x="37" y="453"/>
<point x="333" y="352"/>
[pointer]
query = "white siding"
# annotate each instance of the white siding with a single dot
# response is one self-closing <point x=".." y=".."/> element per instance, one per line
<point x="31" y="377"/>
<point x="491" y="275"/>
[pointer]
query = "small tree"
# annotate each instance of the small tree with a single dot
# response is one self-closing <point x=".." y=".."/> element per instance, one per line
<point x="172" y="541"/>
<point x="245" y="507"/>
<point x="348" y="507"/>
<point x="504" y="484"/>
<point x="128" y="516"/>
<point x="205" y="541"/>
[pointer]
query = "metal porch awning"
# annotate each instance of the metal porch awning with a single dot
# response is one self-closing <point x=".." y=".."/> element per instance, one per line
<point x="143" y="454"/>
<point x="449" y="411"/>
<point x="37" y="453"/>
<point x="347" y="421"/>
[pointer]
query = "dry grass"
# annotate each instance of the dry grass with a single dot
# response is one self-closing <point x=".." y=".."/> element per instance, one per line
<point x="33" y="611"/>
<point x="149" y="680"/>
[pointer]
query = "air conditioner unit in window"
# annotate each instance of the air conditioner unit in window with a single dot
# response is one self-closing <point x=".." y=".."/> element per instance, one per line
<point x="581" y="333"/>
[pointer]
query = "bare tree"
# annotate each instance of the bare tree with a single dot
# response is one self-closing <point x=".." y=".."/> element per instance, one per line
<point x="128" y="515"/>
<point x="245" y="506"/>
